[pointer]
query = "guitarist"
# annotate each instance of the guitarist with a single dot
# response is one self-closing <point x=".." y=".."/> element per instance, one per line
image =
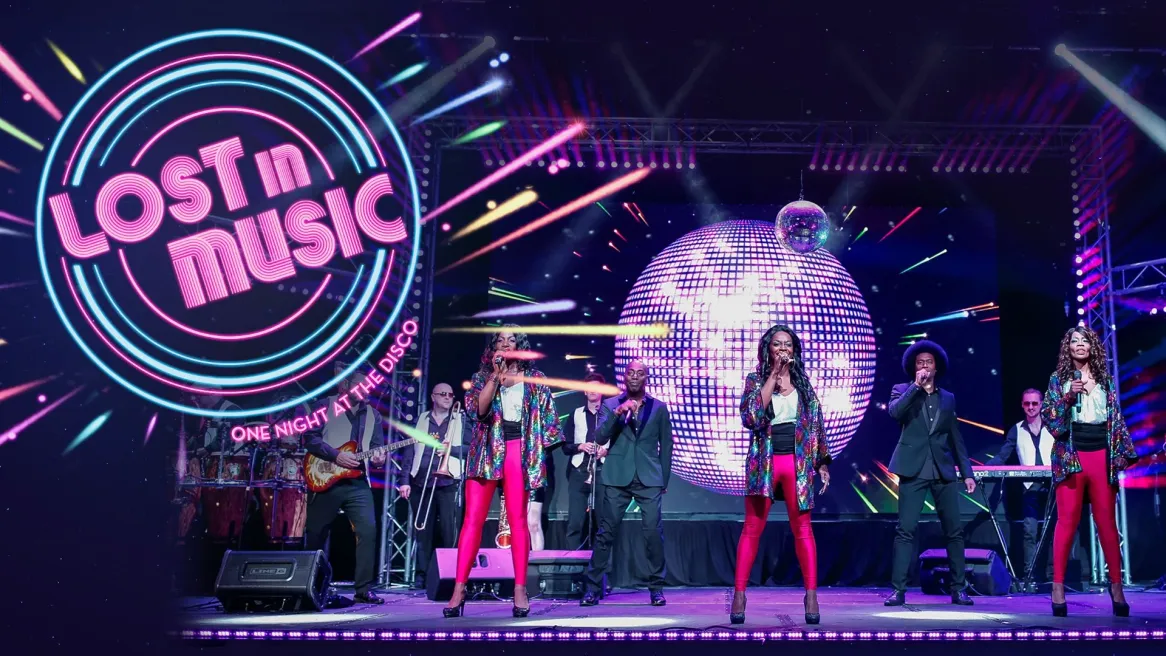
<point x="364" y="426"/>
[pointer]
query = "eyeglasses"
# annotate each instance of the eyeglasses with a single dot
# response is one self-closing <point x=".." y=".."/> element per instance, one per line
<point x="1029" y="403"/>
<point x="443" y="393"/>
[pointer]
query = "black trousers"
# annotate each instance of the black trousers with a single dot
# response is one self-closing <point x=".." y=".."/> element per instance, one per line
<point x="443" y="519"/>
<point x="581" y="525"/>
<point x="354" y="497"/>
<point x="617" y="501"/>
<point x="912" y="494"/>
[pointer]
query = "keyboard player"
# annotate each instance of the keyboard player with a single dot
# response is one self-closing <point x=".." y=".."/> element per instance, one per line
<point x="1029" y="443"/>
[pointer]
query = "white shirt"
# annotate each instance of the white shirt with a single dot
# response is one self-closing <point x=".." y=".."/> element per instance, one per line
<point x="1094" y="405"/>
<point x="338" y="429"/>
<point x="1026" y="448"/>
<point x="512" y="402"/>
<point x="785" y="408"/>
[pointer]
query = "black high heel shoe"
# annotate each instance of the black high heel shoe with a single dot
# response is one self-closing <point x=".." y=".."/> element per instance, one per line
<point x="1120" y="608"/>
<point x="520" y="612"/>
<point x="739" y="618"/>
<point x="811" y="618"/>
<point x="457" y="610"/>
<point x="1061" y="609"/>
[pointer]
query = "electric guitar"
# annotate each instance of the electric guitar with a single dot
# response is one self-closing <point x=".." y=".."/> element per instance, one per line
<point x="320" y="475"/>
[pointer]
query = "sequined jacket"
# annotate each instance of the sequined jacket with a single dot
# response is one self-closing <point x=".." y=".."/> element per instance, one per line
<point x="540" y="431"/>
<point x="1057" y="415"/>
<point x="810" y="449"/>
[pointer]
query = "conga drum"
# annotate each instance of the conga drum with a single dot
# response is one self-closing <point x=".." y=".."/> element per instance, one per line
<point x="225" y="507"/>
<point x="286" y="520"/>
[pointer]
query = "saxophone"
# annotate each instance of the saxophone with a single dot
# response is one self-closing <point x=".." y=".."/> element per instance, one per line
<point x="502" y="540"/>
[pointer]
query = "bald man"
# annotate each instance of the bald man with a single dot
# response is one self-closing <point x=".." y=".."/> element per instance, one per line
<point x="422" y="462"/>
<point x="635" y="434"/>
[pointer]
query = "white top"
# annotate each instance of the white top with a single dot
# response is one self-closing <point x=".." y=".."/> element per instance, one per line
<point x="1026" y="447"/>
<point x="785" y="408"/>
<point x="1094" y="405"/>
<point x="512" y="402"/>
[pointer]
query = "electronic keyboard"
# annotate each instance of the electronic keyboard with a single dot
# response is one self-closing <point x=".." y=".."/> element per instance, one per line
<point x="1022" y="472"/>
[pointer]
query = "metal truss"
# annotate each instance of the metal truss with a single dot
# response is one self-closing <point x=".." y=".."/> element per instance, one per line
<point x="759" y="137"/>
<point x="1141" y="277"/>
<point x="405" y="394"/>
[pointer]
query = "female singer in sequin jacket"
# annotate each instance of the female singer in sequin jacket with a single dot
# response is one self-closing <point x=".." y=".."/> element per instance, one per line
<point x="514" y="423"/>
<point x="780" y="386"/>
<point x="1092" y="446"/>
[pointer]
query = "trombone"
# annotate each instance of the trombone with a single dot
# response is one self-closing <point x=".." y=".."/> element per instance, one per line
<point x="425" y="501"/>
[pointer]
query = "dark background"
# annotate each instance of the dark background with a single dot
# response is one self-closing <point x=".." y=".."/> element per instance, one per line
<point x="83" y="555"/>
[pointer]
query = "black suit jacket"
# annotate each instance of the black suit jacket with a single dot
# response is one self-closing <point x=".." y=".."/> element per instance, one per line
<point x="940" y="435"/>
<point x="640" y="448"/>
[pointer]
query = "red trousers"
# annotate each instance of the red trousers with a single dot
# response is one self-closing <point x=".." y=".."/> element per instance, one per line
<point x="1093" y="480"/>
<point x="756" y="515"/>
<point x="479" y="493"/>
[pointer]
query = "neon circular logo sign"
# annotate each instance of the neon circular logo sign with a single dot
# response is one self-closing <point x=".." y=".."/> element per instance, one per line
<point x="226" y="213"/>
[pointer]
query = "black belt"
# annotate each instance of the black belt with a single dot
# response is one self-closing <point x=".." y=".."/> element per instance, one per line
<point x="511" y="430"/>
<point x="1089" y="437"/>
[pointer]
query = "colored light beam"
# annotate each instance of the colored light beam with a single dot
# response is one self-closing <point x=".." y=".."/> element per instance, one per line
<point x="649" y="330"/>
<point x="67" y="63"/>
<point x="603" y="208"/>
<point x="860" y="234"/>
<point x="577" y="357"/>
<point x="847" y="217"/>
<point x="536" y="308"/>
<point x="991" y="429"/>
<point x="628" y="207"/>
<point x="15" y="390"/>
<point x="390" y="33"/>
<point x="976" y="503"/>
<point x="990" y="305"/>
<point x="87" y="432"/>
<point x="915" y="336"/>
<point x="583" y="201"/>
<point x="470" y="96"/>
<point x="13" y="233"/>
<point x="922" y="262"/>
<point x="574" y="385"/>
<point x="14" y="285"/>
<point x="16" y="132"/>
<point x="642" y="217"/>
<point x="958" y="314"/>
<point x="617" y="250"/>
<point x="1146" y="120"/>
<point x="403" y="75"/>
<point x="479" y="132"/>
<point x="525" y="356"/>
<point x="864" y="499"/>
<point x="415" y="433"/>
<point x="617" y="234"/>
<point x="989" y="319"/>
<point x="14" y="432"/>
<point x="887" y="487"/>
<point x="16" y="219"/>
<point x="894" y="478"/>
<point x="6" y="165"/>
<point x="529" y="156"/>
<point x="900" y="223"/>
<point x="425" y="91"/>
<point x="150" y="428"/>
<point x="513" y="204"/>
<point x="510" y="297"/>
<point x="22" y="80"/>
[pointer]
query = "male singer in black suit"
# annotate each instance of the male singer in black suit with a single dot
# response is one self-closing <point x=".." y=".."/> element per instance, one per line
<point x="637" y="432"/>
<point x="930" y="450"/>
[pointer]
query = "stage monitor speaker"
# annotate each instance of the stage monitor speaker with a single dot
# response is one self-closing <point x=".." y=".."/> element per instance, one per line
<point x="273" y="581"/>
<point x="492" y="572"/>
<point x="984" y="570"/>
<point x="556" y="574"/>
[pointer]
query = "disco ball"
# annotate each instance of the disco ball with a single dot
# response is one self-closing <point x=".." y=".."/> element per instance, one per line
<point x="720" y="288"/>
<point x="802" y="227"/>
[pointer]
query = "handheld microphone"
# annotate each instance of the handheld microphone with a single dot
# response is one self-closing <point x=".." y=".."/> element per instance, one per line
<point x="498" y="359"/>
<point x="1077" y="405"/>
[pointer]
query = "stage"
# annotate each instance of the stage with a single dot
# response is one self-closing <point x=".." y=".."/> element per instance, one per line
<point x="774" y="613"/>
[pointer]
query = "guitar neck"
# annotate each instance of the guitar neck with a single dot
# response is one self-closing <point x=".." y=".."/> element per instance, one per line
<point x="372" y="453"/>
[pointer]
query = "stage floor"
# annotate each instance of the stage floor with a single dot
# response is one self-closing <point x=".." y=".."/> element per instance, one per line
<point x="698" y="613"/>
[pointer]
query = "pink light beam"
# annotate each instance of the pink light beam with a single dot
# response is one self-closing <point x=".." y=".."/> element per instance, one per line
<point x="529" y="156"/>
<point x="12" y="433"/>
<point x="22" y="80"/>
<point x="150" y="428"/>
<point x="900" y="223"/>
<point x="6" y="394"/>
<point x="392" y="32"/>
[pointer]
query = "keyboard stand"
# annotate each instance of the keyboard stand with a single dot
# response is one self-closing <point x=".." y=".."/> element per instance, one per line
<point x="999" y="533"/>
